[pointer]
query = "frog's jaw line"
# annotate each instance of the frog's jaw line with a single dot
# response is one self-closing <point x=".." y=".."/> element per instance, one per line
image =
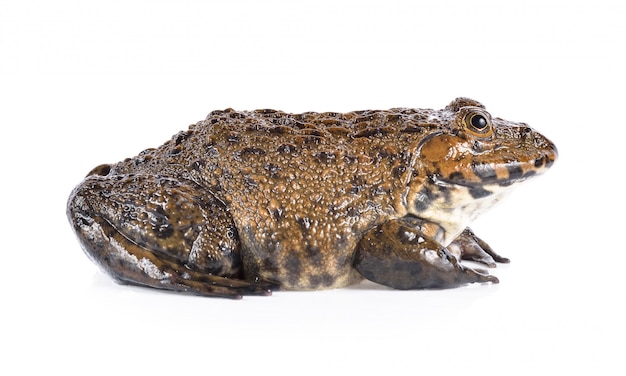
<point x="454" y="207"/>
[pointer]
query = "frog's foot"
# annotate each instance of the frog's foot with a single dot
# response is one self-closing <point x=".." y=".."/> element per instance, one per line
<point x="398" y="255"/>
<point x="130" y="264"/>
<point x="468" y="246"/>
<point x="161" y="233"/>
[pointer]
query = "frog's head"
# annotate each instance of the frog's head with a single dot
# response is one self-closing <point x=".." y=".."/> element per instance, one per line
<point x="471" y="159"/>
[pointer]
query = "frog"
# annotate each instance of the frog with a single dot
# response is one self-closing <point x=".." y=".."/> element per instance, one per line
<point x="250" y="202"/>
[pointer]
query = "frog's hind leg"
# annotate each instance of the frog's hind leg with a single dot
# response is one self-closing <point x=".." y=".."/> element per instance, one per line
<point x="160" y="233"/>
<point x="397" y="254"/>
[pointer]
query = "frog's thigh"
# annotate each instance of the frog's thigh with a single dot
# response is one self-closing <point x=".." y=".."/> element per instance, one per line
<point x="159" y="232"/>
<point x="398" y="255"/>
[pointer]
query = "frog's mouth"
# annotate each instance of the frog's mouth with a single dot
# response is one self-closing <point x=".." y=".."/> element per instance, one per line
<point x="485" y="179"/>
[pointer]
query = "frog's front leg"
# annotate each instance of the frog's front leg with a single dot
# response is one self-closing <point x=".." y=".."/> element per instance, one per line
<point x="160" y="232"/>
<point x="468" y="246"/>
<point x="398" y="254"/>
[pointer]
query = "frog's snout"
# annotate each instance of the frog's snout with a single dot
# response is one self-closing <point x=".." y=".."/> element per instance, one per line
<point x="542" y="151"/>
<point x="549" y="151"/>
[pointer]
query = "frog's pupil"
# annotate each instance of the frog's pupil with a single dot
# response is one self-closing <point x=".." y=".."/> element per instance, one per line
<point x="479" y="122"/>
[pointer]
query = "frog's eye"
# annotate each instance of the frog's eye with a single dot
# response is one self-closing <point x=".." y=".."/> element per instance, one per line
<point x="478" y="124"/>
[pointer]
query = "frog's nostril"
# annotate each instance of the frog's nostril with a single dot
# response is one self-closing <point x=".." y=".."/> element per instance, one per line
<point x="102" y="170"/>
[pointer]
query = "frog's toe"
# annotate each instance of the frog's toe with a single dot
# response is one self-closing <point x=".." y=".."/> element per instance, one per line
<point x="479" y="275"/>
<point x="141" y="267"/>
<point x="468" y="246"/>
<point x="215" y="286"/>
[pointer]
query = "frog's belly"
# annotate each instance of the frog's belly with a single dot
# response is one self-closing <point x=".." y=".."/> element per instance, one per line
<point x="295" y="270"/>
<point x="454" y="215"/>
<point x="317" y="282"/>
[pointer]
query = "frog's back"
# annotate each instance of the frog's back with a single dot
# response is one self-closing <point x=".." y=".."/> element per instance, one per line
<point x="303" y="188"/>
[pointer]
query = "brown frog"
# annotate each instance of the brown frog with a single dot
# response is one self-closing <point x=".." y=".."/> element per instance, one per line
<point x="246" y="202"/>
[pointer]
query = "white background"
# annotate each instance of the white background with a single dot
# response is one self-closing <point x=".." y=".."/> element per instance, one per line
<point x="88" y="82"/>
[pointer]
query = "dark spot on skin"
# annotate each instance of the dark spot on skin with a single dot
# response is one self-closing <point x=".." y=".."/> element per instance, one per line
<point x="384" y="153"/>
<point x="216" y="113"/>
<point x="362" y="119"/>
<point x="177" y="150"/>
<point x="197" y="165"/>
<point x="325" y="157"/>
<point x="213" y="152"/>
<point x="372" y="132"/>
<point x="352" y="212"/>
<point x="350" y="159"/>
<point x="182" y="136"/>
<point x="165" y="231"/>
<point x="233" y="137"/>
<point x="358" y="184"/>
<point x="510" y="181"/>
<point x="237" y="115"/>
<point x="540" y="161"/>
<point x="276" y="213"/>
<point x="161" y="224"/>
<point x="281" y="129"/>
<point x="479" y="192"/>
<point x="287" y="149"/>
<point x="313" y="253"/>
<point x="314" y="133"/>
<point x="477" y="146"/>
<point x="267" y="111"/>
<point x="252" y="151"/>
<point x="398" y="171"/>
<point x="304" y="222"/>
<point x="272" y="168"/>
<point x="379" y="190"/>
<point x="484" y="171"/>
<point x="293" y="266"/>
<point x="412" y="129"/>
<point x="515" y="171"/>
<point x="424" y="199"/>
<point x="268" y="264"/>
<point x="142" y="159"/>
<point x="249" y="181"/>
<point x="320" y="280"/>
<point x="457" y="176"/>
<point x="391" y="118"/>
<point x="309" y="139"/>
<point x="231" y="233"/>
<point x="209" y="143"/>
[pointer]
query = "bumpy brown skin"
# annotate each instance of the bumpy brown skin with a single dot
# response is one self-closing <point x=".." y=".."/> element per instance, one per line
<point x="244" y="202"/>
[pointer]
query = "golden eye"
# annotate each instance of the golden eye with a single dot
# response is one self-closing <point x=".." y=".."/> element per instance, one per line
<point x="478" y="124"/>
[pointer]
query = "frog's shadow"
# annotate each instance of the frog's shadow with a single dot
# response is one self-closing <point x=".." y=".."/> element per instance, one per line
<point x="102" y="281"/>
<point x="366" y="285"/>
